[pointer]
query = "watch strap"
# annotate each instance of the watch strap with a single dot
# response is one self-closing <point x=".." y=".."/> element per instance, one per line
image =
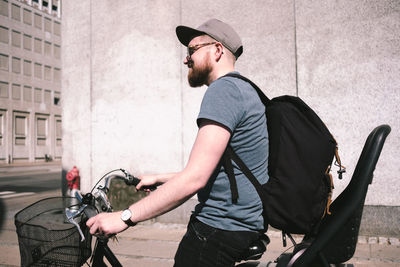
<point x="128" y="221"/>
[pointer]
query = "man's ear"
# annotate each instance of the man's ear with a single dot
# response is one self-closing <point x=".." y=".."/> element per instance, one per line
<point x="219" y="51"/>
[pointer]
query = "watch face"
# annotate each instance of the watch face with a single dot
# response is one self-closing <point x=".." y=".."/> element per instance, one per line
<point x="126" y="215"/>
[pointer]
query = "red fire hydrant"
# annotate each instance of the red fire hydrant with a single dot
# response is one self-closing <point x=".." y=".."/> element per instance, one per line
<point x="73" y="179"/>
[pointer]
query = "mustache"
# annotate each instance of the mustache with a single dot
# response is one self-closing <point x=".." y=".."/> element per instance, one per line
<point x="190" y="63"/>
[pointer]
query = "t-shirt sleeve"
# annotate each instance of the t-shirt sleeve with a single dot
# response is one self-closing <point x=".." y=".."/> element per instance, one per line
<point x="223" y="104"/>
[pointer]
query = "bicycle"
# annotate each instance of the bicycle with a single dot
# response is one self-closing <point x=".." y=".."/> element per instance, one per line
<point x="334" y="243"/>
<point x="53" y="231"/>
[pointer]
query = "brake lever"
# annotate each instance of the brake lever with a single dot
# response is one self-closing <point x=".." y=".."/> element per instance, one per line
<point x="86" y="208"/>
<point x="72" y="214"/>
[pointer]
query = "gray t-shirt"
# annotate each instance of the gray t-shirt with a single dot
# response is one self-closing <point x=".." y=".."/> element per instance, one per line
<point x="233" y="103"/>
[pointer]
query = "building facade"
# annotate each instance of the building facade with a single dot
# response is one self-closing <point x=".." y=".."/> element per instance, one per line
<point x="136" y="111"/>
<point x="30" y="81"/>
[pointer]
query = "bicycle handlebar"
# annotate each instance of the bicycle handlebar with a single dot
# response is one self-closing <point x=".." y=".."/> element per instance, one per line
<point x="92" y="204"/>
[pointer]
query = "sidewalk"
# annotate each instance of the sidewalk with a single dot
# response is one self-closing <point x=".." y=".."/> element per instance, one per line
<point x="154" y="245"/>
<point x="29" y="168"/>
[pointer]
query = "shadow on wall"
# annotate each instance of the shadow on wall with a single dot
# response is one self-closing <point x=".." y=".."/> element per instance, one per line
<point x="64" y="182"/>
<point x="2" y="213"/>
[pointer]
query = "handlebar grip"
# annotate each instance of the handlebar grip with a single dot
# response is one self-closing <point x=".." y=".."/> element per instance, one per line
<point x="90" y="211"/>
<point x="132" y="180"/>
<point x="149" y="187"/>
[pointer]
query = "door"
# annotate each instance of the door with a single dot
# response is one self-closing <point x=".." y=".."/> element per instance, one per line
<point x="58" y="136"/>
<point x="3" y="138"/>
<point x="42" y="142"/>
<point x="20" y="136"/>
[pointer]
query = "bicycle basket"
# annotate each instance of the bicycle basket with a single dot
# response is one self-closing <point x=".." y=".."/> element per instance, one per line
<point x="46" y="238"/>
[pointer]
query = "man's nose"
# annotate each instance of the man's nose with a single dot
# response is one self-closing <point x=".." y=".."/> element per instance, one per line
<point x="186" y="60"/>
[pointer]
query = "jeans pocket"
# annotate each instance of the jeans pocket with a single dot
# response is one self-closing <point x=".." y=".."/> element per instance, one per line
<point x="202" y="231"/>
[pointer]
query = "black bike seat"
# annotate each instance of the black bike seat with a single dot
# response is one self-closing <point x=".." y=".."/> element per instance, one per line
<point x="257" y="248"/>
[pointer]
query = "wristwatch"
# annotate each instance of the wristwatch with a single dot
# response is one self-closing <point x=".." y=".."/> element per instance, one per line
<point x="126" y="217"/>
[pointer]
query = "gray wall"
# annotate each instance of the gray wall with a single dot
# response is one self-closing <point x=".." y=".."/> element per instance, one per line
<point x="127" y="103"/>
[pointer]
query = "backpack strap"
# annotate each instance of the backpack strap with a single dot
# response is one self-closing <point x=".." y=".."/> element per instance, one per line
<point x="227" y="163"/>
<point x="264" y="99"/>
<point x="231" y="155"/>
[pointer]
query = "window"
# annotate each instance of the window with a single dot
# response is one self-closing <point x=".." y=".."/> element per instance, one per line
<point x="16" y="91"/>
<point x="58" y="131"/>
<point x="37" y="20"/>
<point x="2" y="127"/>
<point x="38" y="95"/>
<point x="27" y="16"/>
<point x="57" y="98"/>
<point x="16" y="65"/>
<point x="27" y="93"/>
<point x="47" y="25"/>
<point x="37" y="46"/>
<point x="20" y="129"/>
<point x="47" y="97"/>
<point x="27" y="42"/>
<point x="47" y="73"/>
<point x="57" y="28"/>
<point x="57" y="75"/>
<point x="57" y="51"/>
<point x="27" y="68"/>
<point x="15" y="12"/>
<point x="41" y="130"/>
<point x="47" y="49"/>
<point x="16" y="38"/>
<point x="56" y="5"/>
<point x="35" y="3"/>
<point x="3" y="90"/>
<point x="4" y="34"/>
<point x="38" y="71"/>
<point x="4" y="8"/>
<point x="3" y="62"/>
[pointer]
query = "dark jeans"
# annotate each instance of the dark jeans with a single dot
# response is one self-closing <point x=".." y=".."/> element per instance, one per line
<point x="203" y="245"/>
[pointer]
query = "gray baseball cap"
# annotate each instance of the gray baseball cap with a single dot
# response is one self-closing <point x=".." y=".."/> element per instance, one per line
<point x="217" y="30"/>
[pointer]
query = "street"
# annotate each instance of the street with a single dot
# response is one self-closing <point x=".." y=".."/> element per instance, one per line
<point x="20" y="187"/>
<point x="33" y="183"/>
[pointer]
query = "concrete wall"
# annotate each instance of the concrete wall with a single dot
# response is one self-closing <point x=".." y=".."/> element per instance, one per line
<point x="127" y="103"/>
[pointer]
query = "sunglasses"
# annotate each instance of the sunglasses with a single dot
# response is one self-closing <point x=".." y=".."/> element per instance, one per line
<point x="192" y="49"/>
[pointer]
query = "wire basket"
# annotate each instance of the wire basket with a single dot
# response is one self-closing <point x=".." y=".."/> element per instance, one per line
<point x="46" y="238"/>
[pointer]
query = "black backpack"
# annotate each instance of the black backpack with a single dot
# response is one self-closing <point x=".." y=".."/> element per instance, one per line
<point x="301" y="150"/>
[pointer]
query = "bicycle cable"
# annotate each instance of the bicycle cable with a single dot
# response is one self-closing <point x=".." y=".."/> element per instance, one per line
<point x="91" y="191"/>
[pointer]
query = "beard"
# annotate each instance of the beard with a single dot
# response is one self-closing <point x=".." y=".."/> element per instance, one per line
<point x="198" y="75"/>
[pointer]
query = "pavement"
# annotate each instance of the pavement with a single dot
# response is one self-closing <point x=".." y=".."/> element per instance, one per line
<point x="28" y="168"/>
<point x="153" y="244"/>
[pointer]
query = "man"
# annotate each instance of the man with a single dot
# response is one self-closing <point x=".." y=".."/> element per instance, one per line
<point x="219" y="231"/>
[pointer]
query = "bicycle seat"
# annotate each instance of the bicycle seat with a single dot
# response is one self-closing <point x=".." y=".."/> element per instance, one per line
<point x="257" y="248"/>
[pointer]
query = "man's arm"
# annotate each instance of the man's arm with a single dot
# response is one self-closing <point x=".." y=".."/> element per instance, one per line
<point x="207" y="150"/>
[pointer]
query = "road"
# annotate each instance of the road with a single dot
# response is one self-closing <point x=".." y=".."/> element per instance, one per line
<point x="20" y="187"/>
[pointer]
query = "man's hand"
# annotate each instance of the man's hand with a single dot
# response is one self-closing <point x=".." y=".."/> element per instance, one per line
<point x="146" y="180"/>
<point x="106" y="224"/>
<point x="155" y="179"/>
